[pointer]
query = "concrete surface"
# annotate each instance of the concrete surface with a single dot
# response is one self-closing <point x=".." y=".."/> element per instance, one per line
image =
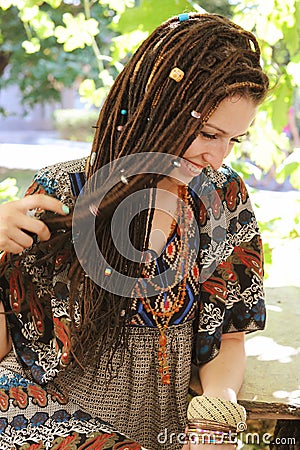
<point x="273" y="355"/>
<point x="33" y="150"/>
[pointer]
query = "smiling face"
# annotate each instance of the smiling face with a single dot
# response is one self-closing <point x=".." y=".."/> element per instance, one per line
<point x="226" y="126"/>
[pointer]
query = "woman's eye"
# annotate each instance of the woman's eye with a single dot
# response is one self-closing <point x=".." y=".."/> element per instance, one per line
<point x="208" y="135"/>
<point x="240" y="139"/>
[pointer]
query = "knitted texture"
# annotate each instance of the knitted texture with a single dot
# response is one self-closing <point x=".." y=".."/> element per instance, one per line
<point x="223" y="411"/>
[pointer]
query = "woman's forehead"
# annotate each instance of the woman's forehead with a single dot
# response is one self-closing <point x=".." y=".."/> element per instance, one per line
<point x="233" y="116"/>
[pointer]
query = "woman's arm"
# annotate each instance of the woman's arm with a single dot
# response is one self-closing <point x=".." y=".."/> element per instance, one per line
<point x="5" y="341"/>
<point x="223" y="376"/>
<point x="14" y="221"/>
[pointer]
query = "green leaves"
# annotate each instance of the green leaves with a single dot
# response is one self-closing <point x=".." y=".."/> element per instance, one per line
<point x="67" y="38"/>
<point x="90" y="94"/>
<point x="53" y="3"/>
<point x="268" y="30"/>
<point x="31" y="46"/>
<point x="283" y="95"/>
<point x="290" y="168"/>
<point x="118" y="5"/>
<point x="276" y="23"/>
<point x="293" y="70"/>
<point x="28" y="13"/>
<point x="8" y="190"/>
<point x="43" y="25"/>
<point x="127" y="43"/>
<point x="150" y="14"/>
<point x="5" y="4"/>
<point x="77" y="33"/>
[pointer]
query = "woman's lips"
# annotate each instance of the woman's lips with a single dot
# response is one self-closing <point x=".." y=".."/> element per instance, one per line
<point x="190" y="168"/>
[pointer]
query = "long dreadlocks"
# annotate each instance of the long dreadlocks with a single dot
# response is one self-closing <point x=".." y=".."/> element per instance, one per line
<point x="218" y="59"/>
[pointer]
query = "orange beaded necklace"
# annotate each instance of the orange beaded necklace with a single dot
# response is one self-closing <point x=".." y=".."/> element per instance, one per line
<point x="162" y="318"/>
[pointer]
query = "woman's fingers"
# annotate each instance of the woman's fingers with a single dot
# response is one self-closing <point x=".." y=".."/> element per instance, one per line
<point x="11" y="247"/>
<point x="16" y="221"/>
<point x="35" y="226"/>
<point x="41" y="201"/>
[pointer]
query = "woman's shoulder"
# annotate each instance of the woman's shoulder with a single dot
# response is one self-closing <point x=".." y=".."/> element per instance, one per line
<point x="224" y="176"/>
<point x="58" y="179"/>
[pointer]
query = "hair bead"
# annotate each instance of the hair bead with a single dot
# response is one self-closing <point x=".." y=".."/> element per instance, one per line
<point x="176" y="74"/>
<point x="196" y="114"/>
<point x="93" y="158"/>
<point x="124" y="112"/>
<point x="183" y="17"/>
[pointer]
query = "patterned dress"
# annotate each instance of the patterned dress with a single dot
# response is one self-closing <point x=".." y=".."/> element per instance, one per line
<point x="45" y="403"/>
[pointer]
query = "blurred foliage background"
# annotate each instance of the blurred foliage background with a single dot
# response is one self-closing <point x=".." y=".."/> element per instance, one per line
<point x="53" y="44"/>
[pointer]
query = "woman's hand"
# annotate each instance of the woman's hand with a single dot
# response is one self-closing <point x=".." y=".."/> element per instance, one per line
<point x="15" y="221"/>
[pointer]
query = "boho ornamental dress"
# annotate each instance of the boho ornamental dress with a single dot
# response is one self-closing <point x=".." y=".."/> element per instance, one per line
<point x="47" y="403"/>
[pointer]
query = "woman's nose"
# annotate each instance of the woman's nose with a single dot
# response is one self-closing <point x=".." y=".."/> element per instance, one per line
<point x="215" y="158"/>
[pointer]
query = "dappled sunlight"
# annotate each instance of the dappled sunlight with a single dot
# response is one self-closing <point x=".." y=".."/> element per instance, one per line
<point x="281" y="211"/>
<point x="292" y="397"/>
<point x="266" y="349"/>
<point x="274" y="308"/>
<point x="273" y="355"/>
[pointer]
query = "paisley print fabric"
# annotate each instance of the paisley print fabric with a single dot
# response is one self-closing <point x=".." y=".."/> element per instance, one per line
<point x="224" y="294"/>
<point x="34" y="413"/>
<point x="33" y="417"/>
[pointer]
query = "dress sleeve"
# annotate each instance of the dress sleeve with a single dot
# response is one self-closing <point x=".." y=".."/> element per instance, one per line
<point x="231" y="294"/>
<point x="34" y="291"/>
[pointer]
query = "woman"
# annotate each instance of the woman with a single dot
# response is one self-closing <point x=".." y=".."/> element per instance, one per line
<point x="178" y="275"/>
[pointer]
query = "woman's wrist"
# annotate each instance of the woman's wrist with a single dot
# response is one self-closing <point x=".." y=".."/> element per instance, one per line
<point x="225" y="394"/>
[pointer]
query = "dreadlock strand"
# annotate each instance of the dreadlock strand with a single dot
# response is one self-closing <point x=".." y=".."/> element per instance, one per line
<point x="219" y="59"/>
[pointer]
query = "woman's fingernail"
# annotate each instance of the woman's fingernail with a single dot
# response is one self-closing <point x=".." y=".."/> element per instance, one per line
<point x="65" y="209"/>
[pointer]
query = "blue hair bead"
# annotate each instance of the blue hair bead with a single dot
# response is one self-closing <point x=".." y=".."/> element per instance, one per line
<point x="123" y="112"/>
<point x="183" y="17"/>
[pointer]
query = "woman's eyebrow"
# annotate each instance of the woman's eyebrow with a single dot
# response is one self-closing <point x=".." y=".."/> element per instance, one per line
<point x="210" y="125"/>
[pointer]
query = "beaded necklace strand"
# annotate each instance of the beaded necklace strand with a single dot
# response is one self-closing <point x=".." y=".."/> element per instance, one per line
<point x="162" y="318"/>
